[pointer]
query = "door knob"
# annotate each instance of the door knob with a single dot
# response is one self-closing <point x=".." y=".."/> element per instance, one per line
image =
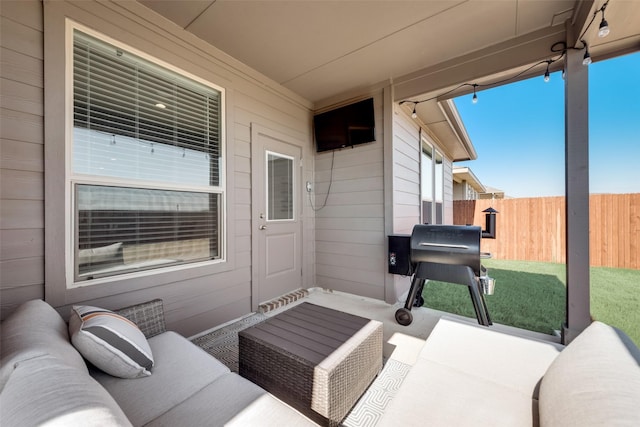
<point x="263" y="227"/>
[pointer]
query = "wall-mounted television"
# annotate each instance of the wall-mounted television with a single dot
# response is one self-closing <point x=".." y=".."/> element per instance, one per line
<point x="346" y="126"/>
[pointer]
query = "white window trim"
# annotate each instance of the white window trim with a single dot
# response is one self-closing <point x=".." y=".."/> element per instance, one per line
<point x="434" y="202"/>
<point x="71" y="179"/>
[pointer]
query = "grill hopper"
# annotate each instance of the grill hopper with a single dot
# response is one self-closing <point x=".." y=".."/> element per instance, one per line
<point x="448" y="253"/>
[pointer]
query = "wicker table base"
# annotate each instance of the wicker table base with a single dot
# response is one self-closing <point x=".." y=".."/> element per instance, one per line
<point x="318" y="360"/>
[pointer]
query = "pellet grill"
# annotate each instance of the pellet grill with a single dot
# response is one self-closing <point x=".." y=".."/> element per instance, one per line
<point x="447" y="253"/>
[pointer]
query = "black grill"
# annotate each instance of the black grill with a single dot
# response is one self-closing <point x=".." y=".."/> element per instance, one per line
<point x="448" y="253"/>
<point x="446" y="244"/>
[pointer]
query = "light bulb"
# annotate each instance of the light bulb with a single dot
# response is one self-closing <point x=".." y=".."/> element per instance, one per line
<point x="586" y="60"/>
<point x="414" y="115"/>
<point x="474" y="99"/>
<point x="604" y="28"/>
<point x="546" y="75"/>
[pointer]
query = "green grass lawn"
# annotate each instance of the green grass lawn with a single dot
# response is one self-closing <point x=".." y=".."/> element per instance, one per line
<point x="531" y="295"/>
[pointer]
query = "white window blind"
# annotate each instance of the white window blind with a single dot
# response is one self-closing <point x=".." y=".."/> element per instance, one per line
<point x="146" y="169"/>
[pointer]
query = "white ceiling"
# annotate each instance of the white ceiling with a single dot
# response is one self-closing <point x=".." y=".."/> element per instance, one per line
<point x="323" y="48"/>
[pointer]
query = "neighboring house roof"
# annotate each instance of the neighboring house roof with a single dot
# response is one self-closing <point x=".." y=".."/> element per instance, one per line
<point x="492" y="193"/>
<point x="463" y="173"/>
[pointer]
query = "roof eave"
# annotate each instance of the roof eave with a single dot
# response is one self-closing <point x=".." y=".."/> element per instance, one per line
<point x="450" y="111"/>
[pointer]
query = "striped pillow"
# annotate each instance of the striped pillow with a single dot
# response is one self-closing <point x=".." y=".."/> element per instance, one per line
<point x="111" y="342"/>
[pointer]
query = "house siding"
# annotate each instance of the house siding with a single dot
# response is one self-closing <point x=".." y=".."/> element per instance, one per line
<point x="406" y="158"/>
<point x="193" y="301"/>
<point x="406" y="174"/>
<point x="406" y="187"/>
<point x="21" y="153"/>
<point x="349" y="230"/>
<point x="374" y="191"/>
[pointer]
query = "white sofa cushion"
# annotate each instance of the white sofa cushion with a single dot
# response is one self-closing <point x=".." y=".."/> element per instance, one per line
<point x="440" y="396"/>
<point x="514" y="361"/>
<point x="181" y="370"/>
<point x="595" y="381"/>
<point x="232" y="401"/>
<point x="110" y="342"/>
<point x="47" y="391"/>
<point x="35" y="329"/>
<point x="471" y="375"/>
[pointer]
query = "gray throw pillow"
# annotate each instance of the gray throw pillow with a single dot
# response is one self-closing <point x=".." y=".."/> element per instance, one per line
<point x="111" y="342"/>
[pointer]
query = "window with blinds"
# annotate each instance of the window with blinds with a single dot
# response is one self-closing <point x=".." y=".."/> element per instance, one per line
<point x="146" y="177"/>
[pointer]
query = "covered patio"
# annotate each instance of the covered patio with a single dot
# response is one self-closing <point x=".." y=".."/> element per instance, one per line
<point x="236" y="85"/>
<point x="412" y="58"/>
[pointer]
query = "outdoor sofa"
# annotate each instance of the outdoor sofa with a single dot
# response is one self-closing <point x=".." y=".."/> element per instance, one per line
<point x="44" y="380"/>
<point x="465" y="375"/>
<point x="471" y="375"/>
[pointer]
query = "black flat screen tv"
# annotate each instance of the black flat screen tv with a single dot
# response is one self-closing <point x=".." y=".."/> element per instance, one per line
<point x="346" y="126"/>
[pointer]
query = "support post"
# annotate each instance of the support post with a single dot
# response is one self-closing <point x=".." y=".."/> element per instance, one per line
<point x="578" y="315"/>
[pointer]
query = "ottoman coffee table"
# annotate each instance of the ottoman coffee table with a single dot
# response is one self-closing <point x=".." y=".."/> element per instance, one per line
<point x="318" y="360"/>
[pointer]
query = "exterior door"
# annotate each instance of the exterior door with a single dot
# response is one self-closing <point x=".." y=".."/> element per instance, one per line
<point x="276" y="226"/>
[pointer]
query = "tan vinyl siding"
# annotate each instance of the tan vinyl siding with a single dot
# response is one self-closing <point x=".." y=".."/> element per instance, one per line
<point x="406" y="174"/>
<point x="21" y="154"/>
<point x="193" y="301"/>
<point x="349" y="230"/>
<point x="406" y="187"/>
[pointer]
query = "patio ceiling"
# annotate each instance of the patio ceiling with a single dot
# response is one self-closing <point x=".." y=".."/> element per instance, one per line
<point x="323" y="49"/>
<point x="320" y="49"/>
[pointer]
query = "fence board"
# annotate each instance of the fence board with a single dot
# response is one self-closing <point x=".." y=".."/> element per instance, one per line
<point x="534" y="229"/>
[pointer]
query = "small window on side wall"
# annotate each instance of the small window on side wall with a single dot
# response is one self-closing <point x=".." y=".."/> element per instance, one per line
<point x="146" y="174"/>
<point x="431" y="184"/>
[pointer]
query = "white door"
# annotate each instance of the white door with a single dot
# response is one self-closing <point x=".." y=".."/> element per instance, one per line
<point x="276" y="226"/>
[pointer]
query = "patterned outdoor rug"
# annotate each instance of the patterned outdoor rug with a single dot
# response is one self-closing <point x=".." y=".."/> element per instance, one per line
<point x="223" y="345"/>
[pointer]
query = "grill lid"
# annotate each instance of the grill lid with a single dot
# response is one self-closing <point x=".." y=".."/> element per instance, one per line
<point x="447" y="244"/>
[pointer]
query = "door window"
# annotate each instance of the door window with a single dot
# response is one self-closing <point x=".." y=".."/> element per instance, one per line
<point x="279" y="187"/>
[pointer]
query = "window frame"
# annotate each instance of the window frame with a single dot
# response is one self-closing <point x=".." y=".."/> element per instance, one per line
<point x="433" y="191"/>
<point x="72" y="179"/>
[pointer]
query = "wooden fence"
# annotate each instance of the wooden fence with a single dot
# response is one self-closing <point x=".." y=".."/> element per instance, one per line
<point x="533" y="229"/>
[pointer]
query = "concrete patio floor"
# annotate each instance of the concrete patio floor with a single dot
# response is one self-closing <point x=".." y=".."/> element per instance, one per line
<point x="401" y="343"/>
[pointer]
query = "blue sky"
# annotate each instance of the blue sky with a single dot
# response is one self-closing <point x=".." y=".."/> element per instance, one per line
<point x="518" y="132"/>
